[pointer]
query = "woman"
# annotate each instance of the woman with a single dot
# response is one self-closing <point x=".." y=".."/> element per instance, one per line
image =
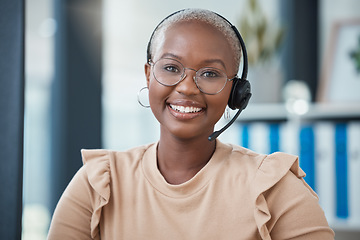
<point x="185" y="186"/>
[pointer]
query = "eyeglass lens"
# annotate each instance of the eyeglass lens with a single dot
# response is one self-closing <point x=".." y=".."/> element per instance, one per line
<point x="170" y="72"/>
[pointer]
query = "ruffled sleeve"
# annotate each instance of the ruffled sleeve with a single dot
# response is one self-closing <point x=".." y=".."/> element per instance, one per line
<point x="290" y="197"/>
<point x="78" y="211"/>
<point x="98" y="172"/>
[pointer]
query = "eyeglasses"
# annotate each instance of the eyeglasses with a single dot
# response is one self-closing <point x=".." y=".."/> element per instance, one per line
<point x="209" y="80"/>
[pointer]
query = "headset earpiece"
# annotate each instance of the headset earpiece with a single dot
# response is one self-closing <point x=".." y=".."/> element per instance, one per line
<point x="240" y="94"/>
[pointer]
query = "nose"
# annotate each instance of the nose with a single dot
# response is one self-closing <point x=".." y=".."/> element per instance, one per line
<point x="187" y="85"/>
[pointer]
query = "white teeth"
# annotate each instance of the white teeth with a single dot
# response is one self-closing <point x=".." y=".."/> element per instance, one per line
<point x="183" y="109"/>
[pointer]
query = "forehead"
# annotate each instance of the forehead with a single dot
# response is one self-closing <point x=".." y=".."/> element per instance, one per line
<point x="192" y="38"/>
<point x="187" y="25"/>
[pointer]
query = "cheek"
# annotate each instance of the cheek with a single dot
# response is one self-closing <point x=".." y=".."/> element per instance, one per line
<point x="224" y="95"/>
<point x="217" y="103"/>
<point x="154" y="103"/>
<point x="154" y="93"/>
<point x="157" y="96"/>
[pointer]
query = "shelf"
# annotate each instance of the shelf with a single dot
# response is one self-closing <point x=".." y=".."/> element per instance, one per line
<point x="344" y="226"/>
<point x="278" y="112"/>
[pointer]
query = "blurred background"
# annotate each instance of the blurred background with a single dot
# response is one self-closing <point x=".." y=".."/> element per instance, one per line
<point x="84" y="63"/>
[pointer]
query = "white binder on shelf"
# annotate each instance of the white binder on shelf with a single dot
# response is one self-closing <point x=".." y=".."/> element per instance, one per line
<point x="353" y="135"/>
<point x="324" y="167"/>
<point x="259" y="140"/>
<point x="289" y="137"/>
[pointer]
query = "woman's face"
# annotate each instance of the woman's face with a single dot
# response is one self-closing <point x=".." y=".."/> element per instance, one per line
<point x="183" y="110"/>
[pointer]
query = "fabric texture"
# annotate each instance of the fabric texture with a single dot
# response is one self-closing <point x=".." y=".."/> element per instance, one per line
<point x="239" y="194"/>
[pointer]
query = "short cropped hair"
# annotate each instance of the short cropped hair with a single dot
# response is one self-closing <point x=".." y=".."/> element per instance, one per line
<point x="201" y="15"/>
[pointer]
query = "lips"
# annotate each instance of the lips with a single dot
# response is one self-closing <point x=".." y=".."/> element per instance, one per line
<point x="185" y="109"/>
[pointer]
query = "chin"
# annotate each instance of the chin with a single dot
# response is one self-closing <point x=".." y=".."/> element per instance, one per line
<point x="188" y="133"/>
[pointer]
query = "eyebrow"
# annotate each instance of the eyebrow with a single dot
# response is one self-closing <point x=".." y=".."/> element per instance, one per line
<point x="171" y="55"/>
<point x="207" y="61"/>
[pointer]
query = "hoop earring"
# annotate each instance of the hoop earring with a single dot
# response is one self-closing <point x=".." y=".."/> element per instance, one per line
<point x="138" y="97"/>
<point x="227" y="113"/>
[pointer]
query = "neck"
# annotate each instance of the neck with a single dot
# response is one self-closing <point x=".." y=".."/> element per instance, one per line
<point x="179" y="160"/>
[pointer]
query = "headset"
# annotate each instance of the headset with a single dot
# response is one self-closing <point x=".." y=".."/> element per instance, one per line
<point x="241" y="88"/>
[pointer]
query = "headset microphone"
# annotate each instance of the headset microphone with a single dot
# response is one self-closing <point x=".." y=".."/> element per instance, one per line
<point x="215" y="134"/>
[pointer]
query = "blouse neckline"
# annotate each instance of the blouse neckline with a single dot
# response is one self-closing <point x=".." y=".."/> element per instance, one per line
<point x="188" y="188"/>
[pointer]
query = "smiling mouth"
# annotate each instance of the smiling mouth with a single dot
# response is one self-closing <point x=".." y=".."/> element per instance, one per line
<point x="183" y="109"/>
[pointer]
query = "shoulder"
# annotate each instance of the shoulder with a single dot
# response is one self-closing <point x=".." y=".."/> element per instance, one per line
<point x="99" y="163"/>
<point x="93" y="156"/>
<point x="267" y="168"/>
<point x="106" y="160"/>
<point x="240" y="156"/>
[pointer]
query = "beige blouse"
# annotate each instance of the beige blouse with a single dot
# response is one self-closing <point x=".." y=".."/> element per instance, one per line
<point x="239" y="194"/>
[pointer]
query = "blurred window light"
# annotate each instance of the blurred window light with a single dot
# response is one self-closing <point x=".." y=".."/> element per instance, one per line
<point x="47" y="28"/>
<point x="297" y="106"/>
<point x="39" y="61"/>
<point x="36" y="220"/>
<point x="297" y="97"/>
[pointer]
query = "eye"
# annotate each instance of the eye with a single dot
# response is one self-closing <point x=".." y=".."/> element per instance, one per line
<point x="171" y="68"/>
<point x="210" y="73"/>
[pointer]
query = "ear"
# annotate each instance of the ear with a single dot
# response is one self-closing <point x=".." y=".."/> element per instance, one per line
<point x="147" y="69"/>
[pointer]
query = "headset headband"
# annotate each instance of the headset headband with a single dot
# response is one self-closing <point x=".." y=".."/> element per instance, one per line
<point x="237" y="33"/>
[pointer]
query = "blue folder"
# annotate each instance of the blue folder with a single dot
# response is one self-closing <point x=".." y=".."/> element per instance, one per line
<point x="307" y="154"/>
<point x="341" y="170"/>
